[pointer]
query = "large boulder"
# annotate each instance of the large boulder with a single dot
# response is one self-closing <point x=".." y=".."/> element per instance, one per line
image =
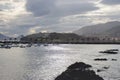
<point x="79" y="71"/>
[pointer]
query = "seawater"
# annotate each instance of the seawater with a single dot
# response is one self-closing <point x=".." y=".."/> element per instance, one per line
<point x="47" y="62"/>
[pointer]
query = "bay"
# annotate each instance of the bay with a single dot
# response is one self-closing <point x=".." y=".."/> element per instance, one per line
<point x="47" y="62"/>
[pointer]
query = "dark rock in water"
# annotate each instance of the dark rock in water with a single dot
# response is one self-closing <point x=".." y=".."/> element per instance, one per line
<point x="100" y="59"/>
<point x="79" y="71"/>
<point x="103" y="69"/>
<point x="114" y="59"/>
<point x="110" y="51"/>
<point x="79" y="65"/>
<point x="114" y="50"/>
<point x="100" y="70"/>
<point x="106" y="67"/>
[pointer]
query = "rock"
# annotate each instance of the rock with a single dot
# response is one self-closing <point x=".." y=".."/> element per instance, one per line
<point x="79" y="66"/>
<point x="79" y="71"/>
<point x="110" y="51"/>
<point x="99" y="70"/>
<point x="100" y="59"/>
<point x="106" y="67"/>
<point x="114" y="59"/>
<point x="103" y="69"/>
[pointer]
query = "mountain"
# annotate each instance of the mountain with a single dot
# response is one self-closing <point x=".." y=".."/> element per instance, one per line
<point x="37" y="35"/>
<point x="2" y="37"/>
<point x="111" y="29"/>
<point x="51" y="37"/>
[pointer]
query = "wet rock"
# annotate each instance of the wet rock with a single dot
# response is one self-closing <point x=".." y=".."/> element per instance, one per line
<point x="103" y="69"/>
<point x="100" y="59"/>
<point x="106" y="67"/>
<point x="79" y="71"/>
<point x="110" y="51"/>
<point x="114" y="59"/>
<point x="79" y="66"/>
<point x="100" y="70"/>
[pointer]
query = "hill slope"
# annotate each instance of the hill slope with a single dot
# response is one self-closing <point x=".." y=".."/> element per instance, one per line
<point x="3" y="37"/>
<point x="111" y="29"/>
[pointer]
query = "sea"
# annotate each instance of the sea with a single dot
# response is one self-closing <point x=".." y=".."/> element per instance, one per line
<point x="47" y="62"/>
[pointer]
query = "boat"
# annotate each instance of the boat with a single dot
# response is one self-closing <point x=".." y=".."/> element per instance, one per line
<point x="29" y="45"/>
<point x="45" y="44"/>
<point x="5" y="46"/>
<point x="22" y="46"/>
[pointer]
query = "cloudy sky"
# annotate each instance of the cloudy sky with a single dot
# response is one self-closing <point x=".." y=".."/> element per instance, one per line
<point x="30" y="16"/>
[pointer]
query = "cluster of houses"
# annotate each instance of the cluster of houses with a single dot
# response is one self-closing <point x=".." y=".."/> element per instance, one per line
<point x="67" y="38"/>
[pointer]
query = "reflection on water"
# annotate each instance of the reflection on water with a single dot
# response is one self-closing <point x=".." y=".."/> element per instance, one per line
<point x="45" y="63"/>
<point x="12" y="63"/>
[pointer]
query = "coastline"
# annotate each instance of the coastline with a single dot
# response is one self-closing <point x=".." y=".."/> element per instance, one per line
<point x="29" y="42"/>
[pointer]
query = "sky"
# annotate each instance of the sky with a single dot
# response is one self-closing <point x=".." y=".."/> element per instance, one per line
<point x="23" y="17"/>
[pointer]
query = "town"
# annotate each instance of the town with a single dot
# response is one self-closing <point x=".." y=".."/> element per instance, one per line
<point x="61" y="38"/>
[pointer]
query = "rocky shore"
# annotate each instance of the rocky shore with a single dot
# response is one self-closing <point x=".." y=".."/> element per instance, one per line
<point x="79" y="71"/>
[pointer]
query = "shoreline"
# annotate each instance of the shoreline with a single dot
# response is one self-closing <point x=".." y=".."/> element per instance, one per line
<point x="26" y="42"/>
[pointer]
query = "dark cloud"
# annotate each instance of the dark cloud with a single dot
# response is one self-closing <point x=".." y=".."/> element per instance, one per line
<point x="75" y="8"/>
<point x="111" y="2"/>
<point x="40" y="7"/>
<point x="52" y="7"/>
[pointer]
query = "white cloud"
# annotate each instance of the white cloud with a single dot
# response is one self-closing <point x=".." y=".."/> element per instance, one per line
<point x="33" y="30"/>
<point x="10" y="9"/>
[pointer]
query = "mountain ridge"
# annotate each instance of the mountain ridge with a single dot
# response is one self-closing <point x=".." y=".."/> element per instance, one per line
<point x="106" y="29"/>
<point x="2" y="37"/>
